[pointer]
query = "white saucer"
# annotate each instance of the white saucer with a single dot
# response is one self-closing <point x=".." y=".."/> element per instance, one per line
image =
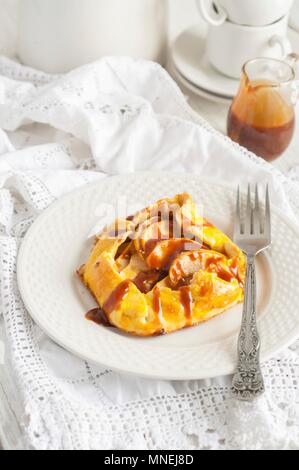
<point x="196" y="90"/>
<point x="190" y="59"/>
<point x="194" y="70"/>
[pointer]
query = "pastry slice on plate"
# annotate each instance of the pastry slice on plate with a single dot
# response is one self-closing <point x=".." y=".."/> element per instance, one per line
<point x="164" y="269"/>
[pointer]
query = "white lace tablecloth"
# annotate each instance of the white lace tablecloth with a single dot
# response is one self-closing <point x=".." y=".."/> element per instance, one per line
<point x="58" y="133"/>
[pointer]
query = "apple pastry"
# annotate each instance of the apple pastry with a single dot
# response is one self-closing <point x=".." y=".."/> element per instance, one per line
<point x="164" y="269"/>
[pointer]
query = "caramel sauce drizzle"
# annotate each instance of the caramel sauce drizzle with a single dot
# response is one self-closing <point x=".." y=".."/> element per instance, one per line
<point x="150" y="246"/>
<point x="227" y="276"/>
<point x="144" y="281"/>
<point x="207" y="224"/>
<point x="98" y="316"/>
<point x="180" y="275"/>
<point x="124" y="251"/>
<point x="116" y="297"/>
<point x="187" y="302"/>
<point x="215" y="266"/>
<point x="235" y="272"/>
<point x="171" y="250"/>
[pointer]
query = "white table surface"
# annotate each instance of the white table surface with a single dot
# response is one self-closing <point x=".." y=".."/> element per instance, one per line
<point x="181" y="16"/>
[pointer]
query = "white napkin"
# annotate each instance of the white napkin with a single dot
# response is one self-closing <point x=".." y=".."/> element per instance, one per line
<point x="58" y="133"/>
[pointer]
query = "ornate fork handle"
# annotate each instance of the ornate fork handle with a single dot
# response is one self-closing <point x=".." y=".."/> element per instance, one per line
<point x="248" y="382"/>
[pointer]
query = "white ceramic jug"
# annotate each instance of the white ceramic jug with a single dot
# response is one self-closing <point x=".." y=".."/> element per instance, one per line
<point x="58" y="35"/>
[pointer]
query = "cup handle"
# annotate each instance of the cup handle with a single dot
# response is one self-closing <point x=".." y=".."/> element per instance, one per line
<point x="284" y="43"/>
<point x="218" y="19"/>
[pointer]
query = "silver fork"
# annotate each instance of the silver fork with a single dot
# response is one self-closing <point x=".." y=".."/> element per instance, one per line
<point x="253" y="236"/>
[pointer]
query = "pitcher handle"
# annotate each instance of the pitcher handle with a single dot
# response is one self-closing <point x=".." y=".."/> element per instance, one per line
<point x="204" y="11"/>
<point x="292" y="58"/>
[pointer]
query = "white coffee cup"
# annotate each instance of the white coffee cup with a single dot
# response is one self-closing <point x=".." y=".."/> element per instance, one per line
<point x="230" y="45"/>
<point x="244" y="12"/>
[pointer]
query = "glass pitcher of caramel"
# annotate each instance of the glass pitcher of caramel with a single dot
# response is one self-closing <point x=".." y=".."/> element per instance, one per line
<point x="262" y="115"/>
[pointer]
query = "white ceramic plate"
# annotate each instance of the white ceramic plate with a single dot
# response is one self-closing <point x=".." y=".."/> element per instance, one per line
<point x="57" y="244"/>
<point x="190" y="60"/>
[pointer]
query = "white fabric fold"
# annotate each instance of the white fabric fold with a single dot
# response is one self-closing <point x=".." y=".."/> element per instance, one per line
<point x="119" y="116"/>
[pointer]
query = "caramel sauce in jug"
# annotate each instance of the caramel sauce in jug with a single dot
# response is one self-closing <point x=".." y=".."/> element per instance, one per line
<point x="261" y="119"/>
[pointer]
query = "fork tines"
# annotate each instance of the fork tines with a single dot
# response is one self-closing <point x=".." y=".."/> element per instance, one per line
<point x="256" y="220"/>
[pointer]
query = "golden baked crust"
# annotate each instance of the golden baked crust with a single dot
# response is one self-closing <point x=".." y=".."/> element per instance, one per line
<point x="164" y="269"/>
